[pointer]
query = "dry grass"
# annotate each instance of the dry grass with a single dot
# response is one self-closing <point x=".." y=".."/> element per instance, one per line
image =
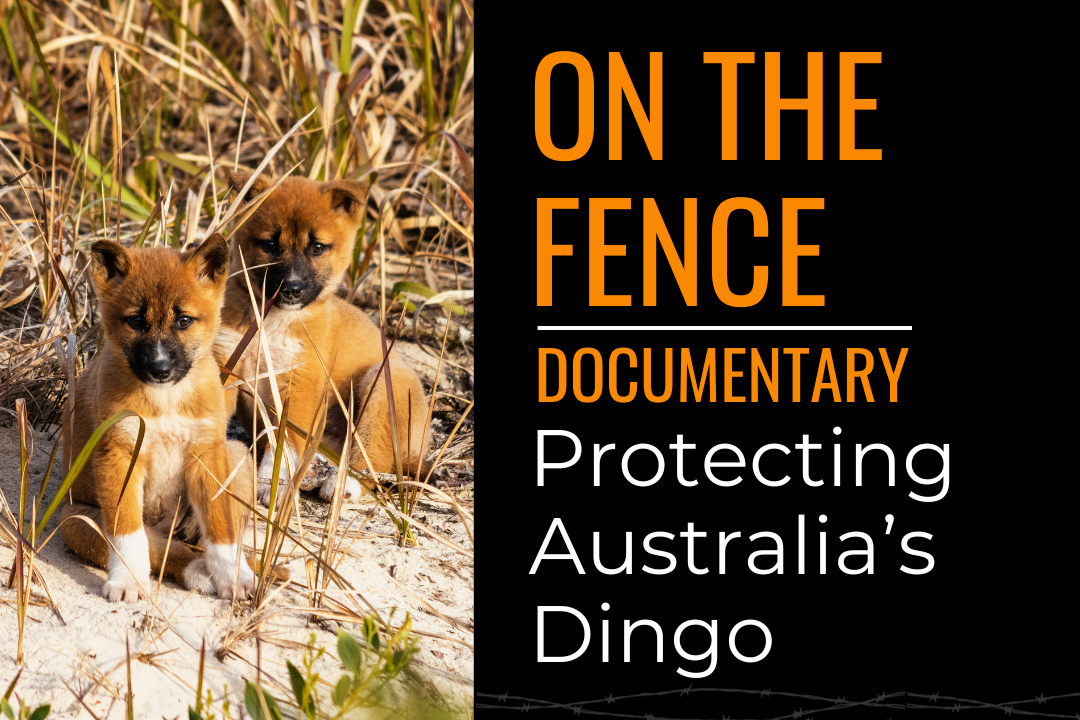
<point x="248" y="74"/>
<point x="113" y="117"/>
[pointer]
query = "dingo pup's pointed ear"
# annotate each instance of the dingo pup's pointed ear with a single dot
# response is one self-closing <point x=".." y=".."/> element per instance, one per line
<point x="237" y="181"/>
<point x="347" y="196"/>
<point x="111" y="263"/>
<point x="211" y="260"/>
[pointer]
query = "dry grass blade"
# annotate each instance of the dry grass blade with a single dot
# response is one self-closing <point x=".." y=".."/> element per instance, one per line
<point x="448" y="439"/>
<point x="330" y="537"/>
<point x="246" y="339"/>
<point x="242" y="192"/>
<point x="277" y="537"/>
<point x="131" y="468"/>
<point x="413" y="521"/>
<point x="299" y="543"/>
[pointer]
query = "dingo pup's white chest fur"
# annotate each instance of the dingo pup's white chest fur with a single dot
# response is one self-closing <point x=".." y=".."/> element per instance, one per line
<point x="284" y="344"/>
<point x="169" y="440"/>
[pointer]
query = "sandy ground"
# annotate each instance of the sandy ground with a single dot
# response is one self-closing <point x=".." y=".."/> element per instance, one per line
<point x="86" y="648"/>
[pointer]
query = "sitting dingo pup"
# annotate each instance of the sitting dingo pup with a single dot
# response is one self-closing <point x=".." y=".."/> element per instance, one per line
<point x="161" y="312"/>
<point x="300" y="241"/>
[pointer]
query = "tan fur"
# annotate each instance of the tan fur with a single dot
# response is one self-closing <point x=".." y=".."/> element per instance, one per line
<point x="327" y="332"/>
<point x="184" y="441"/>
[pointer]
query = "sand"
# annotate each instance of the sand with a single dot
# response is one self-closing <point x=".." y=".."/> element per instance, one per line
<point x="86" y="648"/>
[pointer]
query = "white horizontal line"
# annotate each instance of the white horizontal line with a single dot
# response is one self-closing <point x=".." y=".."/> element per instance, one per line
<point x="724" y="327"/>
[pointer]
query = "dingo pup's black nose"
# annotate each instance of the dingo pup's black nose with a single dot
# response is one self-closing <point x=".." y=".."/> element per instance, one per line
<point x="160" y="369"/>
<point x="291" y="289"/>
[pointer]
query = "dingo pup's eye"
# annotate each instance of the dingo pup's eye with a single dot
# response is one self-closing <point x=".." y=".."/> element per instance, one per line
<point x="270" y="244"/>
<point x="137" y="322"/>
<point x="184" y="321"/>
<point x="314" y="246"/>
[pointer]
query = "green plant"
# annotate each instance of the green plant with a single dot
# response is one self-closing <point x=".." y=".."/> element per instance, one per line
<point x="204" y="709"/>
<point x="369" y="668"/>
<point x="24" y="713"/>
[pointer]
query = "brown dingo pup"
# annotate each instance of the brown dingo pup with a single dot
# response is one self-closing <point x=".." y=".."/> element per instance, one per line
<point x="160" y="311"/>
<point x="301" y="241"/>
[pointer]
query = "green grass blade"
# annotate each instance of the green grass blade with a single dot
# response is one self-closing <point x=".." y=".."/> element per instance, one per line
<point x="347" y="24"/>
<point x="149" y="221"/>
<point x="9" y="46"/>
<point x="131" y="201"/>
<point x="465" y="56"/>
<point x="278" y="450"/>
<point x="29" y="27"/>
<point x="48" y="474"/>
<point x="14" y="680"/>
<point x="177" y="162"/>
<point x="417" y="288"/>
<point x="80" y="462"/>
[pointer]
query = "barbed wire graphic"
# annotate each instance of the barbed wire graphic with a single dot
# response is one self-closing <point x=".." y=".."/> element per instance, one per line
<point x="811" y="706"/>
<point x="1009" y="709"/>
